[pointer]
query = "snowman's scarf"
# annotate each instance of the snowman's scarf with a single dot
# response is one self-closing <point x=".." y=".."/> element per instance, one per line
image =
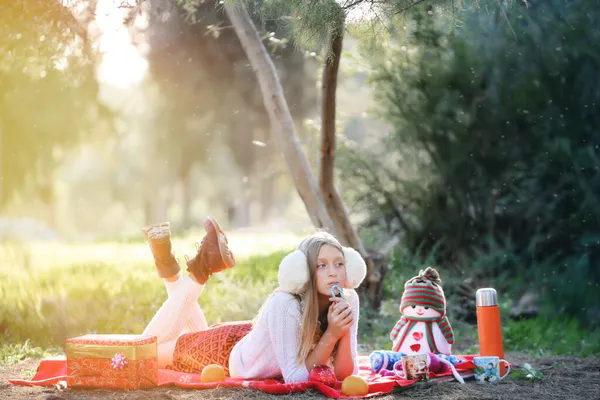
<point x="442" y="322"/>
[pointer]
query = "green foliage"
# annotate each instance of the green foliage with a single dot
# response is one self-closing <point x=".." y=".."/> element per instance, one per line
<point x="15" y="353"/>
<point x="48" y="86"/>
<point x="528" y="373"/>
<point x="493" y="160"/>
<point x="310" y="22"/>
<point x="43" y="306"/>
<point x="543" y="336"/>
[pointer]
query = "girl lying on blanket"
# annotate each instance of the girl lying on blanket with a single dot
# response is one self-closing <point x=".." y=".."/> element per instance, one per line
<point x="299" y="326"/>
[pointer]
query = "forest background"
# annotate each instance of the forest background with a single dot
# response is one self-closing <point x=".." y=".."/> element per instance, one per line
<point x="467" y="139"/>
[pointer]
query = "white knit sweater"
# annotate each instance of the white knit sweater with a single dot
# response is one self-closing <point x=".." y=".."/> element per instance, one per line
<point x="269" y="350"/>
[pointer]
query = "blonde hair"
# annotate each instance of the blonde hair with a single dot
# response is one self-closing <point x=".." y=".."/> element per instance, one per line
<point x="309" y="327"/>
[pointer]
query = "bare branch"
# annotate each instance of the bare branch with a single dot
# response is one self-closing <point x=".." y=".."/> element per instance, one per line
<point x="375" y="183"/>
<point x="65" y="15"/>
<point x="352" y="4"/>
<point x="416" y="3"/>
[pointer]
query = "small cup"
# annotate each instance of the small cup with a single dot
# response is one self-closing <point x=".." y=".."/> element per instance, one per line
<point x="414" y="367"/>
<point x="487" y="369"/>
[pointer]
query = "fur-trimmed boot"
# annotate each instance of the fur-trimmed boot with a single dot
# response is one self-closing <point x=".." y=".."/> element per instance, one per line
<point x="159" y="239"/>
<point x="213" y="253"/>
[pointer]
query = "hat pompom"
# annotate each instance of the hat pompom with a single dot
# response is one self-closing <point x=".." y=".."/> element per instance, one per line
<point x="356" y="268"/>
<point x="431" y="275"/>
<point x="425" y="290"/>
<point x="293" y="272"/>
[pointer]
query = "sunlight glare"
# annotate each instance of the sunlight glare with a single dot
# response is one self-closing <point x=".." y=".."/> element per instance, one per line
<point x="122" y="64"/>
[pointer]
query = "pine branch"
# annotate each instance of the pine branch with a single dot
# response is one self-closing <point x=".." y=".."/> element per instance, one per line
<point x="375" y="184"/>
<point x="404" y="9"/>
<point x="64" y="15"/>
<point x="352" y="5"/>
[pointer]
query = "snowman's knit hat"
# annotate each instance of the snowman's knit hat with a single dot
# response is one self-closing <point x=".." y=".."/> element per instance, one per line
<point x="424" y="290"/>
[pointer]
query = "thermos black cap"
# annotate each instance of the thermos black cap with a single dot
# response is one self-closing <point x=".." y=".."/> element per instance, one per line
<point x="486" y="297"/>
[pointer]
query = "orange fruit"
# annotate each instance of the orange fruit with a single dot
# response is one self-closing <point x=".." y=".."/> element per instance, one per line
<point x="212" y="373"/>
<point x="355" y="385"/>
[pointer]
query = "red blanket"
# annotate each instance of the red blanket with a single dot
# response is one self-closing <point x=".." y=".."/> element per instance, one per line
<point x="52" y="370"/>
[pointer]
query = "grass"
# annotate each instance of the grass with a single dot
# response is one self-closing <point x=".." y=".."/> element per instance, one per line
<point x="51" y="292"/>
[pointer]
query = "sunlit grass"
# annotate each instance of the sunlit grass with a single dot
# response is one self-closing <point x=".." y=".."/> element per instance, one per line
<point x="15" y="257"/>
<point x="53" y="291"/>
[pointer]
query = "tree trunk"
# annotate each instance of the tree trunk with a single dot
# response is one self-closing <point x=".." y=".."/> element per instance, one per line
<point x="331" y="197"/>
<point x="280" y="117"/>
<point x="333" y="202"/>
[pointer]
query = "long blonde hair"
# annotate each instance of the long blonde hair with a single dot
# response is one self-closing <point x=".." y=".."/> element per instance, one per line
<point x="309" y="328"/>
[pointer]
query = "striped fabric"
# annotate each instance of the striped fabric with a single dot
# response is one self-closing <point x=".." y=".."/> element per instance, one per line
<point x="396" y="330"/>
<point x="424" y="290"/>
<point x="442" y="322"/>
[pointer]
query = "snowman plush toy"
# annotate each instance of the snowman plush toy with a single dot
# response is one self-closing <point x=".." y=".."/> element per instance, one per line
<point x="424" y="327"/>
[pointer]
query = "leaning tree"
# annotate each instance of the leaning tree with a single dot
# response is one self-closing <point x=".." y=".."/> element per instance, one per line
<point x="210" y="92"/>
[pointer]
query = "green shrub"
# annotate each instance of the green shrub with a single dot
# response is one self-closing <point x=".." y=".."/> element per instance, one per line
<point x="494" y="160"/>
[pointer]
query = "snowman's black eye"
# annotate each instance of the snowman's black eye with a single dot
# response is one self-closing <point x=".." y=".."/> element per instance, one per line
<point x="427" y="308"/>
<point x="414" y="306"/>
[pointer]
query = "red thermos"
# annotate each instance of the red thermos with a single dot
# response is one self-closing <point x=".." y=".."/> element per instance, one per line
<point x="489" y="327"/>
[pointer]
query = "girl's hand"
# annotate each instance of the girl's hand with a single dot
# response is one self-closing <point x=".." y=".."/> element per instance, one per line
<point x="340" y="317"/>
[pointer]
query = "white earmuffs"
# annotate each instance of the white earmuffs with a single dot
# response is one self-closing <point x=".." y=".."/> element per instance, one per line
<point x="293" y="270"/>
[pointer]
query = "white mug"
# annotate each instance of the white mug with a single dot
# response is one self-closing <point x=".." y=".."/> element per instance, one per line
<point x="487" y="369"/>
<point x="413" y="367"/>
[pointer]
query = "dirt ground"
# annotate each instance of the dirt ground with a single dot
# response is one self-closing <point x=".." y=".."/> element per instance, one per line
<point x="564" y="378"/>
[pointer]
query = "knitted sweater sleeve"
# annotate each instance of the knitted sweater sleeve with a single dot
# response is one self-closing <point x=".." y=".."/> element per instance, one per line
<point x="353" y="300"/>
<point x="283" y="323"/>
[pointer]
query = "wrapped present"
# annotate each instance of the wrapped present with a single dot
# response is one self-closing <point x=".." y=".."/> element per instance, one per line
<point x="112" y="361"/>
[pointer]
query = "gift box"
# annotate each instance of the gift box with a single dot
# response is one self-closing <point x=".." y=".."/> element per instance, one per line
<point x="112" y="361"/>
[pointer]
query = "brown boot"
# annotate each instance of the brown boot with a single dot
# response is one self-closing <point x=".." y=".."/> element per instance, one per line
<point x="159" y="239"/>
<point x="213" y="253"/>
